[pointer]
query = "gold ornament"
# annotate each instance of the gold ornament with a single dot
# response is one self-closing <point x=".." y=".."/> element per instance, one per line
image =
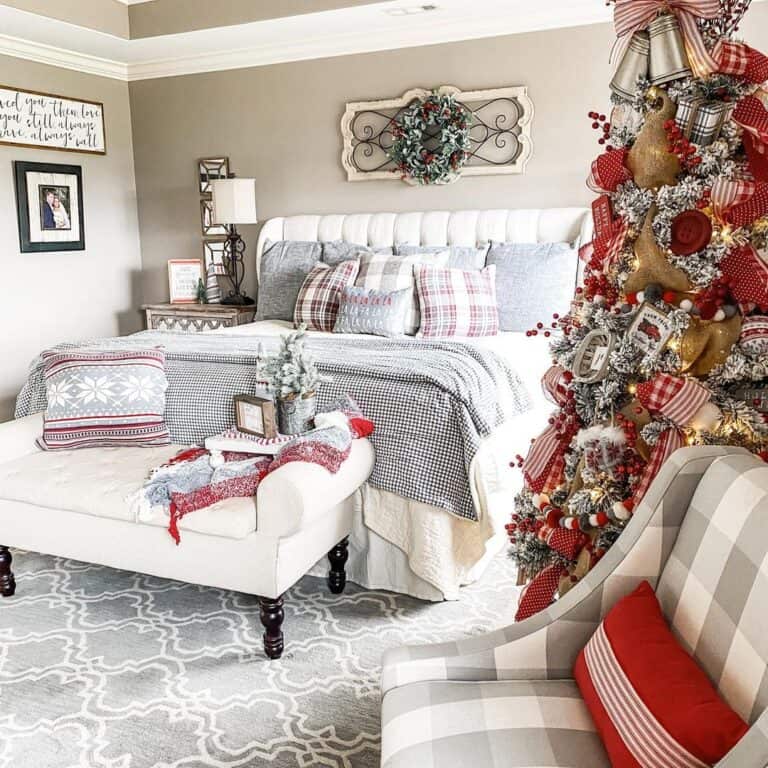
<point x="652" y="264"/>
<point x="707" y="344"/>
<point x="651" y="163"/>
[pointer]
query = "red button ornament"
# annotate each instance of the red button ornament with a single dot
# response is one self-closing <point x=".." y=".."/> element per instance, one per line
<point x="691" y="231"/>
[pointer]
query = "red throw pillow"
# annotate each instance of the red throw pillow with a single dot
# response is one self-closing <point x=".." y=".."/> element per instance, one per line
<point x="651" y="703"/>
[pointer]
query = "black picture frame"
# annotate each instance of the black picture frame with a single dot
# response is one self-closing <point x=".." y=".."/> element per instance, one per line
<point x="21" y="170"/>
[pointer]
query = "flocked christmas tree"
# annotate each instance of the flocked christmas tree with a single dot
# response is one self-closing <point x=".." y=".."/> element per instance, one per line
<point x="666" y="344"/>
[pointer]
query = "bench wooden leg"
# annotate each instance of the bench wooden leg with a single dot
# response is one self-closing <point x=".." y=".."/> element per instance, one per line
<point x="337" y="557"/>
<point x="272" y="615"/>
<point x="7" y="582"/>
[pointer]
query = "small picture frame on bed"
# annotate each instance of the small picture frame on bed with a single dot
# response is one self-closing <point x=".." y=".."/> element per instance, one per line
<point x="184" y="276"/>
<point x="255" y="416"/>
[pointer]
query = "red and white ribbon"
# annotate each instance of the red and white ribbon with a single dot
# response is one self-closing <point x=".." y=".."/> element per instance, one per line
<point x="631" y="16"/>
<point x="676" y="398"/>
<point x="748" y="274"/>
<point x="740" y="60"/>
<point x="751" y="114"/>
<point x="555" y="384"/>
<point x="666" y="445"/>
<point x="726" y="194"/>
<point x="540" y="592"/>
<point x="609" y="171"/>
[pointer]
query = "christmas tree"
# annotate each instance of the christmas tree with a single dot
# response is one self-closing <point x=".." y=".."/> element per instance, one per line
<point x="666" y="343"/>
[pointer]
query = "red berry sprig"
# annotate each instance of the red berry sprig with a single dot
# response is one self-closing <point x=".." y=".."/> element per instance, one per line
<point x="679" y="145"/>
<point x="599" y="123"/>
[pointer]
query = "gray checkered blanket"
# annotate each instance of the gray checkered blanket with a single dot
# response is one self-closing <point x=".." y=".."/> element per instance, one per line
<point x="433" y="402"/>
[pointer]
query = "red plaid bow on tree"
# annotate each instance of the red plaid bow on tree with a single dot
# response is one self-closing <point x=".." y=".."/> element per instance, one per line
<point x="609" y="171"/>
<point x="544" y="466"/>
<point x="631" y="16"/>
<point x="739" y="60"/>
<point x="678" y="400"/>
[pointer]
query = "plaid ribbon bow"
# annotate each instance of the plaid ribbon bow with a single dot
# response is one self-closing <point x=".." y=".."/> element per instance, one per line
<point x="677" y="399"/>
<point x="748" y="274"/>
<point x="631" y="16"/>
<point x="740" y="60"/>
<point x="544" y="466"/>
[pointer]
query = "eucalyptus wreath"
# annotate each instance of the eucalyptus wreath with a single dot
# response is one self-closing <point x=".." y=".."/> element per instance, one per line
<point x="431" y="139"/>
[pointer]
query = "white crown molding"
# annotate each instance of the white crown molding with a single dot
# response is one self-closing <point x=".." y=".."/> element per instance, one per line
<point x="382" y="39"/>
<point x="60" y="57"/>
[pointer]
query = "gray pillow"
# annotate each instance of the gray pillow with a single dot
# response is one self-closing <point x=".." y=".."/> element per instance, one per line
<point x="533" y="281"/>
<point x="381" y="313"/>
<point x="465" y="257"/>
<point x="336" y="251"/>
<point x="284" y="266"/>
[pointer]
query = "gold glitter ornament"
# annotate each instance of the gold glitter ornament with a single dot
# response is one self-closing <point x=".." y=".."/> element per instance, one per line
<point x="651" y="163"/>
<point x="707" y="344"/>
<point x="652" y="264"/>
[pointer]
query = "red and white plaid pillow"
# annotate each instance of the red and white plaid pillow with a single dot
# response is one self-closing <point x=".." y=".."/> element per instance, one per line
<point x="457" y="303"/>
<point x="318" y="302"/>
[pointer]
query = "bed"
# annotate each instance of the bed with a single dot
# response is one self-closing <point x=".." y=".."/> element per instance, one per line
<point x="401" y="544"/>
<point x="451" y="414"/>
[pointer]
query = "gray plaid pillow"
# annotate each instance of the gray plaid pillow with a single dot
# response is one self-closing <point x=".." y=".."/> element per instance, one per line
<point x="336" y="251"/>
<point x="380" y="313"/>
<point x="284" y="267"/>
<point x="464" y="257"/>
<point x="533" y="281"/>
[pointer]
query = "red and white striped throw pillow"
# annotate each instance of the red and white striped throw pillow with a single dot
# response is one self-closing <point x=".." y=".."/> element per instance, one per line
<point x="652" y="705"/>
<point x="102" y="398"/>
<point x="318" y="302"/>
<point x="457" y="303"/>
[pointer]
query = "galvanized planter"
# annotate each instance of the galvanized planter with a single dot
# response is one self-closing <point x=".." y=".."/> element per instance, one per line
<point x="296" y="415"/>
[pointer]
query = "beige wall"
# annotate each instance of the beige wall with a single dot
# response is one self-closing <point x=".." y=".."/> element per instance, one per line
<point x="280" y="124"/>
<point x="166" y="17"/>
<point x="108" y="16"/>
<point x="53" y="297"/>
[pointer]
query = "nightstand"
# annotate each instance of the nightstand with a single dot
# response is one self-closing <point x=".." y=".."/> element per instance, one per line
<point x="194" y="318"/>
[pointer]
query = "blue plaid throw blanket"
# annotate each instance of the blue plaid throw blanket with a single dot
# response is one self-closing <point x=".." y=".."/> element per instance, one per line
<point x="432" y="402"/>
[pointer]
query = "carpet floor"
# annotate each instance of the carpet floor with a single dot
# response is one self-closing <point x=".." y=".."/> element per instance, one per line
<point x="106" y="668"/>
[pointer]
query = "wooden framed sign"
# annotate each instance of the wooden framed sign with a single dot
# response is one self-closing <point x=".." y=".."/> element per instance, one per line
<point x="184" y="276"/>
<point x="48" y="121"/>
<point x="255" y="415"/>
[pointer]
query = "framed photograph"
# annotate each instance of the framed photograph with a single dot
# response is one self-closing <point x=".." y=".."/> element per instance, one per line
<point x="255" y="415"/>
<point x="650" y="329"/>
<point x="49" y="207"/>
<point x="48" y="121"/>
<point x="184" y="276"/>
<point x="213" y="254"/>
<point x="210" y="169"/>
<point x="206" y="221"/>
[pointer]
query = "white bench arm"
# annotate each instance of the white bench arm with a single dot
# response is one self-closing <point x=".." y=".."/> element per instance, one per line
<point x="296" y="494"/>
<point x="17" y="437"/>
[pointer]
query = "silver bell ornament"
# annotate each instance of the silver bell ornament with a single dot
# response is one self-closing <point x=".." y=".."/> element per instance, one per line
<point x="668" y="59"/>
<point x="633" y="65"/>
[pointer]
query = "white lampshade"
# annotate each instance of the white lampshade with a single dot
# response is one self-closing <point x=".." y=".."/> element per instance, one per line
<point x="234" y="201"/>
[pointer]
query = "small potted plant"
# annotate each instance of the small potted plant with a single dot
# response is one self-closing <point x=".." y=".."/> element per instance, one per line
<point x="294" y="379"/>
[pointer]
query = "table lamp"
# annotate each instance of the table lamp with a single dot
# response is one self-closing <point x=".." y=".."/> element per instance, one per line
<point x="234" y="202"/>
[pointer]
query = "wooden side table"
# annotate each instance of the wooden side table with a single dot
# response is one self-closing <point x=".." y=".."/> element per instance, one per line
<point x="195" y="318"/>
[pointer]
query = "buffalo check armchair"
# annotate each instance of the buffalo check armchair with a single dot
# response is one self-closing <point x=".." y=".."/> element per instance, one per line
<point x="700" y="537"/>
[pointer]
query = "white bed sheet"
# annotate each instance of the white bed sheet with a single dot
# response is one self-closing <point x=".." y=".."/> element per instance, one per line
<point x="417" y="549"/>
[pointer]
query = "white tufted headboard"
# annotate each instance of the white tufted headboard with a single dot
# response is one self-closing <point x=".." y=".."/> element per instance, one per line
<point x="534" y="225"/>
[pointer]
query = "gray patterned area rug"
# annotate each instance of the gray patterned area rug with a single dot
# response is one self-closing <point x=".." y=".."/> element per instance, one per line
<point x="100" y="667"/>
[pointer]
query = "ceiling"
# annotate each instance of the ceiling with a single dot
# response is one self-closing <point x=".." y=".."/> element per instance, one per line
<point x="344" y="27"/>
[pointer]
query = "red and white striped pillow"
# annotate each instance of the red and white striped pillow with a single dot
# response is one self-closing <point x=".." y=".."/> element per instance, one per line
<point x="104" y="398"/>
<point x="318" y="301"/>
<point x="652" y="705"/>
<point x="457" y="303"/>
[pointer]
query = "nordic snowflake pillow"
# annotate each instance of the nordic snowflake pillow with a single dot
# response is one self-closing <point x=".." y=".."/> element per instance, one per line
<point x="100" y="398"/>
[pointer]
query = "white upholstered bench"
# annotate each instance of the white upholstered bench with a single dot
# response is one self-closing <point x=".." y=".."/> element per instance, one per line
<point x="73" y="504"/>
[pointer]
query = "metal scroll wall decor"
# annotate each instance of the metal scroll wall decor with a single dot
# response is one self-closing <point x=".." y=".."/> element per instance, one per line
<point x="500" y="135"/>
